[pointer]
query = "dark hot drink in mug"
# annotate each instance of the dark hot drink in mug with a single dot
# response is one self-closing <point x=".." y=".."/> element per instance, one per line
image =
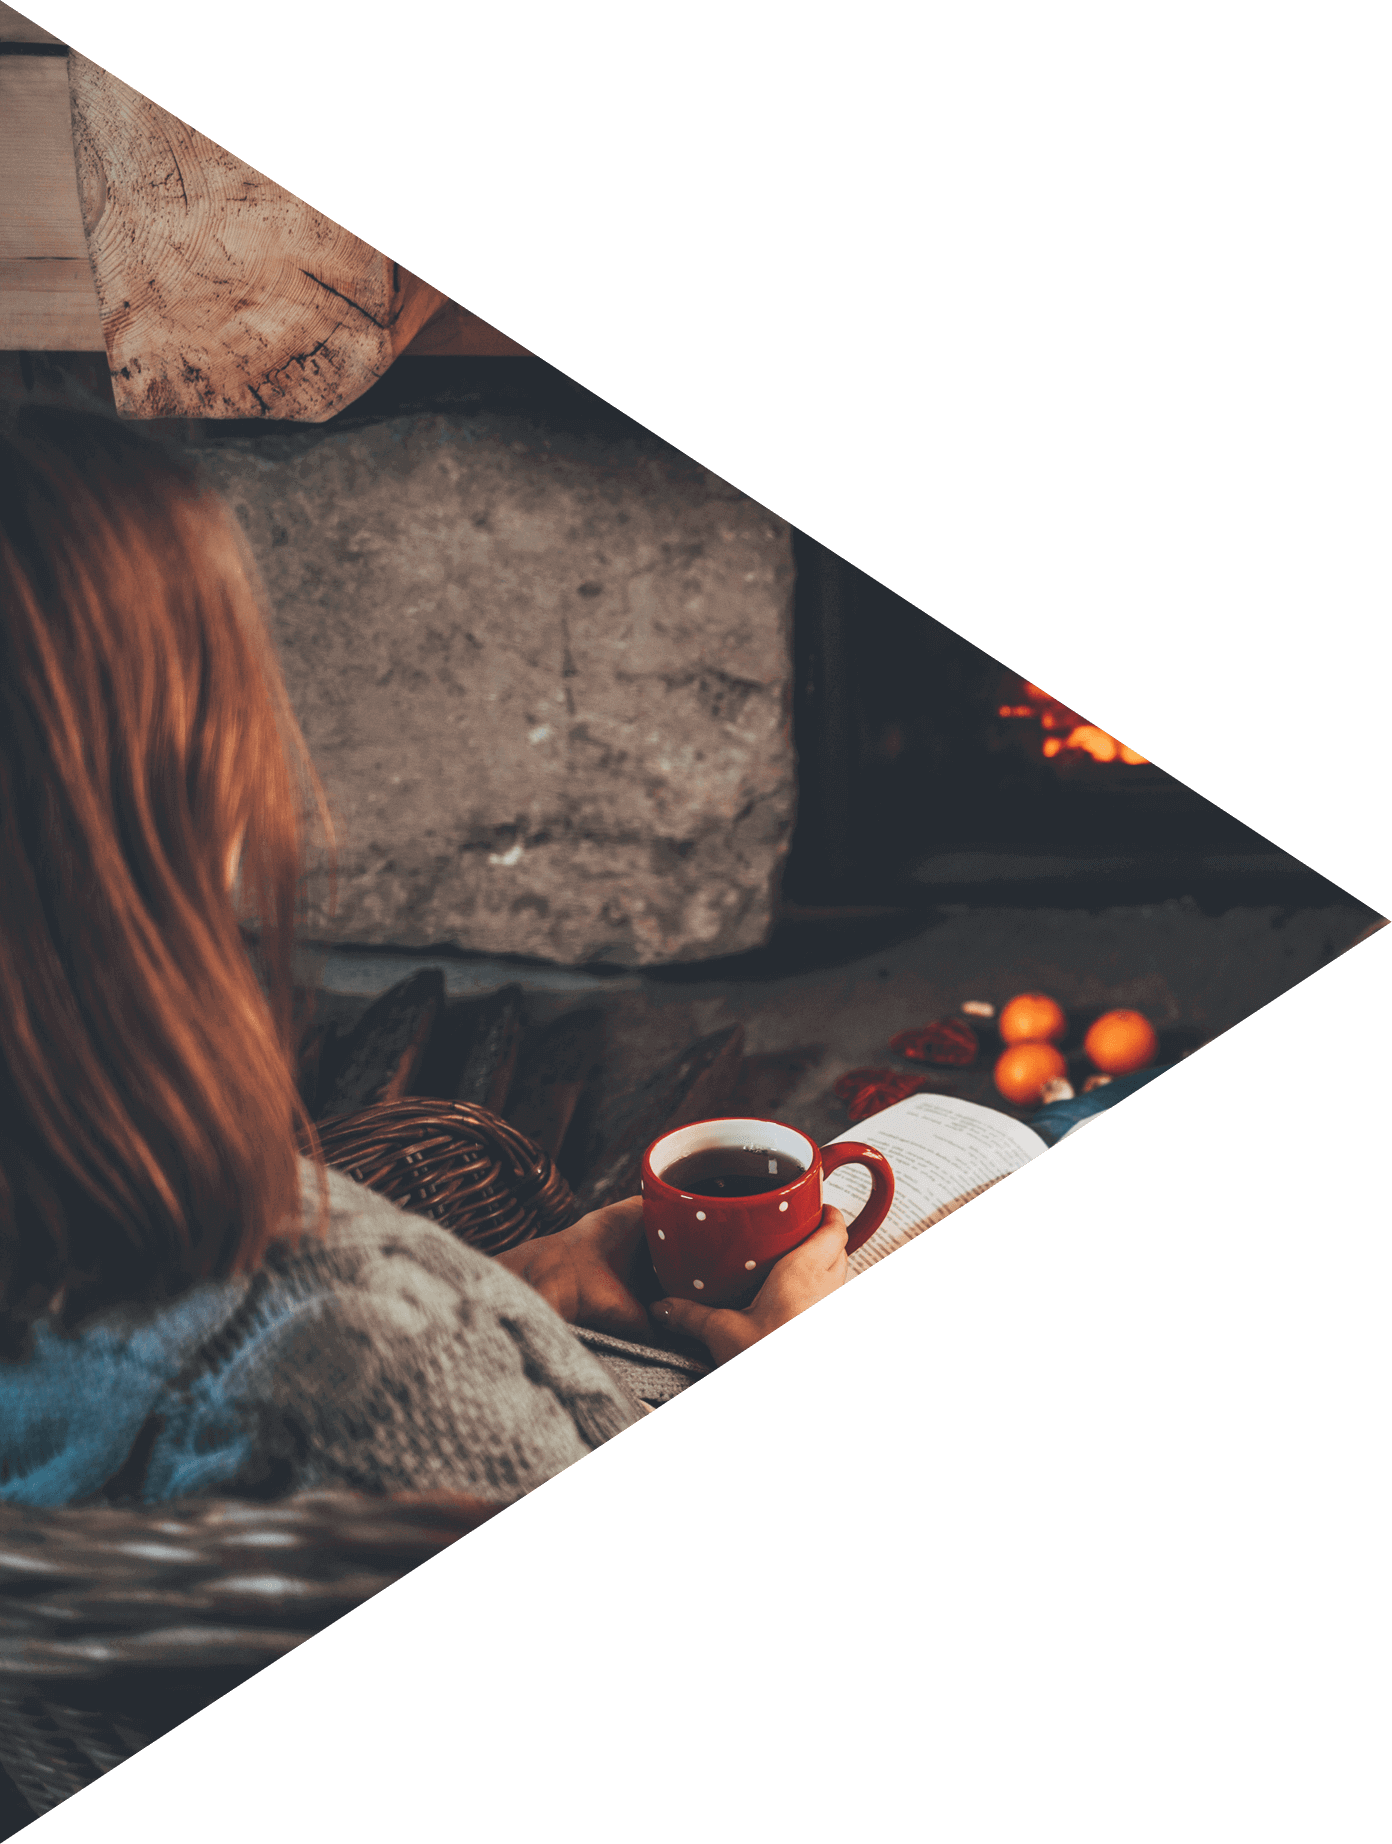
<point x="723" y="1200"/>
<point x="733" y="1171"/>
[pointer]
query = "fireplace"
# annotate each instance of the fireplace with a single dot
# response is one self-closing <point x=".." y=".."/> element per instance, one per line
<point x="929" y="772"/>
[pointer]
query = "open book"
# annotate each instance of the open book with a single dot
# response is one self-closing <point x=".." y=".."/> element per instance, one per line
<point x="944" y="1153"/>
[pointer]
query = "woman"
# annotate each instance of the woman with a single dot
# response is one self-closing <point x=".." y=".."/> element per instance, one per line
<point x="187" y="1304"/>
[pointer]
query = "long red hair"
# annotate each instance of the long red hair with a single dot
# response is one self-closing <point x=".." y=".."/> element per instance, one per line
<point x="149" y="1117"/>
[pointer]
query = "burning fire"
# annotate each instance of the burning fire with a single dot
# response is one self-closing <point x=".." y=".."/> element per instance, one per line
<point x="1066" y="730"/>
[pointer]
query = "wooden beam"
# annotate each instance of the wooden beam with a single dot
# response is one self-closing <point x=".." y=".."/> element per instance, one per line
<point x="15" y="29"/>
<point x="453" y="332"/>
<point x="213" y="292"/>
<point x="48" y="299"/>
<point x="221" y="294"/>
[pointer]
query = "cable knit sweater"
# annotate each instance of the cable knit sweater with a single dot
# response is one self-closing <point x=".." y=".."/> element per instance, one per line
<point x="386" y="1357"/>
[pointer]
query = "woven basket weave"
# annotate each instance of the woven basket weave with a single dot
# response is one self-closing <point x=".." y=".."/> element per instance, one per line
<point x="116" y="1624"/>
<point x="458" y="1164"/>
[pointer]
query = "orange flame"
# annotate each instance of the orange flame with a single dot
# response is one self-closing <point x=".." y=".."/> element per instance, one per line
<point x="1066" y="730"/>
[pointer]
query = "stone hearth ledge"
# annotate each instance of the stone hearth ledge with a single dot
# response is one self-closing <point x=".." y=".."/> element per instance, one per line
<point x="545" y="679"/>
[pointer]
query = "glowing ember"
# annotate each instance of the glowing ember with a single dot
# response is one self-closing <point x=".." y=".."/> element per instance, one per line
<point x="1065" y="731"/>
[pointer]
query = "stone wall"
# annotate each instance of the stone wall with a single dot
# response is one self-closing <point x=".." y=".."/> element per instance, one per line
<point x="543" y="662"/>
<point x="545" y="678"/>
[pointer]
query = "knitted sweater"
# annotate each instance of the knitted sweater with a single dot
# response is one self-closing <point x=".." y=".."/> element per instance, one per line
<point x="385" y="1357"/>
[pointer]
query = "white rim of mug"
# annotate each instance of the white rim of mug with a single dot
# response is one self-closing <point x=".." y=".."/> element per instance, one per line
<point x="732" y="1131"/>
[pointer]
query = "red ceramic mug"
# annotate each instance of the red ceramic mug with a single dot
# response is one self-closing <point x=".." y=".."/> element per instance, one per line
<point x="715" y="1248"/>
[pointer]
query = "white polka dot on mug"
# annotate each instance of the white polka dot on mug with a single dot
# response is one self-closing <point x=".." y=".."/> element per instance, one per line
<point x="757" y="1190"/>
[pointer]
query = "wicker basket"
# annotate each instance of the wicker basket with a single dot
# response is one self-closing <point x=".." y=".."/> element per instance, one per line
<point x="458" y="1164"/>
<point x="117" y="1624"/>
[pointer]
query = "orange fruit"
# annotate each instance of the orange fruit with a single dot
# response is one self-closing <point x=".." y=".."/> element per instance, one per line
<point x="1024" y="1069"/>
<point x="1121" y="1042"/>
<point x="1032" y="1018"/>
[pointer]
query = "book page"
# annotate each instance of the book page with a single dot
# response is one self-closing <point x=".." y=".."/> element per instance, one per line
<point x="944" y="1153"/>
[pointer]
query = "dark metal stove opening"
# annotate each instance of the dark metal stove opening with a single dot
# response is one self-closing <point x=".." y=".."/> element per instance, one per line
<point x="915" y="787"/>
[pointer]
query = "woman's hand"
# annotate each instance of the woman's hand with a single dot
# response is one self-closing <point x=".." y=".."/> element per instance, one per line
<point x="585" y="1272"/>
<point x="805" y="1275"/>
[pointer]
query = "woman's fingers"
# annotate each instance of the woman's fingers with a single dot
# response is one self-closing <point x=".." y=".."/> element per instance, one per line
<point x="685" y="1316"/>
<point x="722" y="1332"/>
<point x="808" y="1273"/>
<point x="617" y="1228"/>
<point x="832" y="1218"/>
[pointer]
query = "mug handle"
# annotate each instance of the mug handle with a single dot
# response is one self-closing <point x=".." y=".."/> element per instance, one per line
<point x="876" y="1207"/>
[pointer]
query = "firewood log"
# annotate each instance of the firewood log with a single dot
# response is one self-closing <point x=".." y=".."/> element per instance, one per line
<point x="694" y="1086"/>
<point x="491" y="1058"/>
<point x="316" y="1056"/>
<point x="378" y="1059"/>
<point x="765" y="1082"/>
<point x="552" y="1076"/>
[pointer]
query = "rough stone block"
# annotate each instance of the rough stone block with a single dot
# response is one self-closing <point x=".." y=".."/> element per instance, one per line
<point x="545" y="678"/>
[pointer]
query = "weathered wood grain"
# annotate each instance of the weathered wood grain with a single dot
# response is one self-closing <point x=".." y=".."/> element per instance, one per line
<point x="552" y="1076"/>
<point x="48" y="294"/>
<point x="316" y="1056"/>
<point x="48" y="300"/>
<point x="453" y="332"/>
<point x="379" y="1058"/>
<point x="15" y="29"/>
<point x="495" y="1036"/>
<point x="221" y="294"/>
<point x="766" y="1081"/>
